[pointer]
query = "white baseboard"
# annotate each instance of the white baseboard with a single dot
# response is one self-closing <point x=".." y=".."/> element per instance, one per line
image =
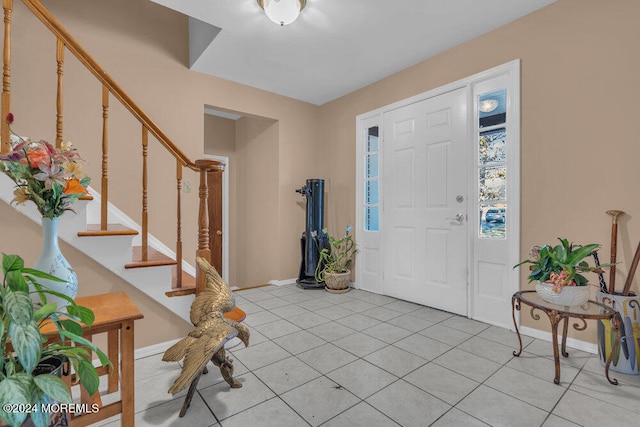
<point x="282" y="282"/>
<point x="571" y="342"/>
<point x="154" y="349"/>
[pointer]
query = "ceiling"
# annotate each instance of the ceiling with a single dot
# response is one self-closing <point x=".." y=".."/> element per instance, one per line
<point x="335" y="46"/>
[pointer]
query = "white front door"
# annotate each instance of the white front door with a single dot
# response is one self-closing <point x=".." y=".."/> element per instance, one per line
<point x="425" y="167"/>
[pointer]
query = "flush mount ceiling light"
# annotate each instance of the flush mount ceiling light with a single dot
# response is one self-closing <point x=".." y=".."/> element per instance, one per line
<point x="488" y="105"/>
<point x="282" y="12"/>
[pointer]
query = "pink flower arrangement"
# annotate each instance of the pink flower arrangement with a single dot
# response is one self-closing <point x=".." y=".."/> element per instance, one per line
<point x="51" y="178"/>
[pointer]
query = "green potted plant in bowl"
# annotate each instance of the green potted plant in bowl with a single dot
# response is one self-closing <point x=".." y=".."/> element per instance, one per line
<point x="26" y="389"/>
<point x="557" y="271"/>
<point x="335" y="260"/>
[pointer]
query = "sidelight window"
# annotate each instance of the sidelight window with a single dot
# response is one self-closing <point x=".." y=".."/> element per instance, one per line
<point x="491" y="133"/>
<point x="372" y="180"/>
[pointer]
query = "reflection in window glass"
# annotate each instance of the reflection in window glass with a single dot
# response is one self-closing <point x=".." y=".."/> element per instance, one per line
<point x="372" y="222"/>
<point x="493" y="183"/>
<point x="492" y="146"/>
<point x="371" y="181"/>
<point x="371" y="192"/>
<point x="371" y="166"/>
<point x="492" y="108"/>
<point x="492" y="163"/>
<point x="493" y="221"/>
<point x="372" y="139"/>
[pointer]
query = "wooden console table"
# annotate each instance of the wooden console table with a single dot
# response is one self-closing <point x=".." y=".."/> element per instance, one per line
<point x="557" y="313"/>
<point x="115" y="314"/>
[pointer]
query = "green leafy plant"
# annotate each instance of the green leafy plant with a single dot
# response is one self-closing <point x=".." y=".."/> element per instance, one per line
<point x="337" y="257"/>
<point x="561" y="264"/>
<point x="25" y="347"/>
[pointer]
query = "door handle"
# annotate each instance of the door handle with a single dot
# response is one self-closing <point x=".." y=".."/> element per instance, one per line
<point x="219" y="233"/>
<point x="459" y="217"/>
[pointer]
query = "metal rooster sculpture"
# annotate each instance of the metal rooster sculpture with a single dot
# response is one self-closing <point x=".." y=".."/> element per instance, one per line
<point x="206" y="341"/>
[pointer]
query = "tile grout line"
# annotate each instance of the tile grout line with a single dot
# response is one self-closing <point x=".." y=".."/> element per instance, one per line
<point x="397" y="377"/>
<point x="378" y="305"/>
<point x="324" y="375"/>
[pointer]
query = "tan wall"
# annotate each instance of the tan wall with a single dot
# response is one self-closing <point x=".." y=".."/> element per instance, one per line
<point x="219" y="135"/>
<point x="580" y="144"/>
<point x="258" y="200"/>
<point x="145" y="50"/>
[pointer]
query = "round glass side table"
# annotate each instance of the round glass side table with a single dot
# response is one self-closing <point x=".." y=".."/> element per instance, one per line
<point x="557" y="313"/>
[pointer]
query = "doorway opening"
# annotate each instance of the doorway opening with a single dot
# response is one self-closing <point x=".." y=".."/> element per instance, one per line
<point x="246" y="143"/>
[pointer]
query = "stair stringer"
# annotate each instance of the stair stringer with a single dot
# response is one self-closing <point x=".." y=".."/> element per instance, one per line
<point x="112" y="252"/>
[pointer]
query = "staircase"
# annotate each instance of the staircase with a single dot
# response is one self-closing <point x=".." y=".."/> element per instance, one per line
<point x="121" y="244"/>
<point x="115" y="251"/>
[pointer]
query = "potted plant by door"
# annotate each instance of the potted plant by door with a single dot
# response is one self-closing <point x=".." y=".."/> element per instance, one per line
<point x="27" y="390"/>
<point x="556" y="271"/>
<point x="334" y="263"/>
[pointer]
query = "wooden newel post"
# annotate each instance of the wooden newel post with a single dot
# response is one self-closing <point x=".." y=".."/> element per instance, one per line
<point x="205" y="166"/>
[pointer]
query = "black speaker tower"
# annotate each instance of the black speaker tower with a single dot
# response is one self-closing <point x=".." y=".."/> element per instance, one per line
<point x="313" y="239"/>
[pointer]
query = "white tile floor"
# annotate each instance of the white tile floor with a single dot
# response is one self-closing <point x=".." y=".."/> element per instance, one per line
<point x="360" y="359"/>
